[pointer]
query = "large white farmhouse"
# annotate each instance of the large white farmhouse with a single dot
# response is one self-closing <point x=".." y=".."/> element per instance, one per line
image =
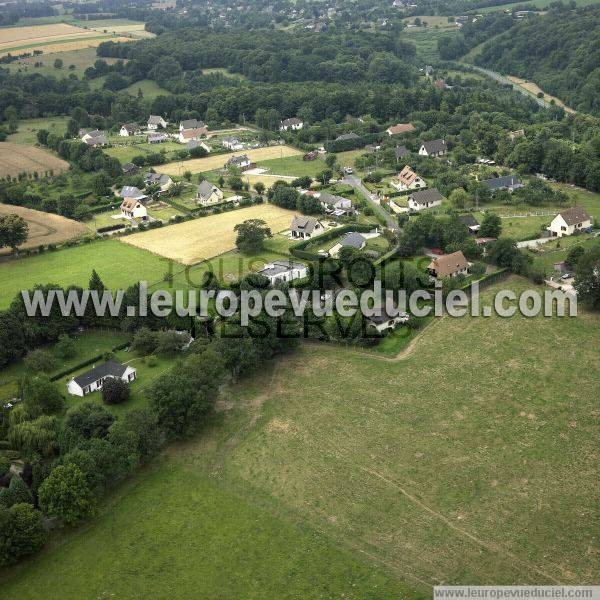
<point x="569" y="221"/>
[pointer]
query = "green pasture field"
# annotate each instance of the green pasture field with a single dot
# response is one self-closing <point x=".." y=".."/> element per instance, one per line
<point x="81" y="59"/>
<point x="294" y="166"/>
<point x="119" y="265"/>
<point x="28" y="128"/>
<point x="337" y="472"/>
<point x="128" y="150"/>
<point x="150" y="89"/>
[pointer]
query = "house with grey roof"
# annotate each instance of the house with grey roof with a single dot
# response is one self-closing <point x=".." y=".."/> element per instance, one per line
<point x="506" y="182"/>
<point x="129" y="129"/>
<point x="92" y="380"/>
<point x="569" y="221"/>
<point x="280" y="271"/>
<point x="191" y="124"/>
<point x="347" y="136"/>
<point x="231" y="143"/>
<point x="156" y="121"/>
<point x="335" y="205"/>
<point x="133" y="192"/>
<point x="240" y="162"/>
<point x="387" y="319"/>
<point x="304" y="227"/>
<point x="208" y="194"/>
<point x="424" y="199"/>
<point x="94" y="138"/>
<point x="293" y="123"/>
<point x="160" y="179"/>
<point x="470" y="221"/>
<point x="433" y="148"/>
<point x="352" y="239"/>
<point x="401" y="152"/>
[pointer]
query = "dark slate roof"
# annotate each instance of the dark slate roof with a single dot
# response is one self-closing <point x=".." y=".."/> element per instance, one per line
<point x="130" y="168"/>
<point x="303" y="223"/>
<point x="280" y="266"/>
<point x="499" y="183"/>
<point x="401" y="151"/>
<point x="435" y="146"/>
<point x="384" y="317"/>
<point x="191" y="124"/>
<point x="206" y="188"/>
<point x="353" y="239"/>
<point x="159" y="178"/>
<point x="424" y="196"/>
<point x="469" y="220"/>
<point x="238" y="160"/>
<point x="111" y="367"/>
<point x="292" y="121"/>
<point x="574" y="215"/>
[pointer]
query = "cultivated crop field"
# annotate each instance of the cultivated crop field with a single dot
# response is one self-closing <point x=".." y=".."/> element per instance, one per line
<point x="210" y="163"/>
<point x="58" y="37"/>
<point x="44" y="228"/>
<point x="358" y="489"/>
<point x="15" y="159"/>
<point x="200" y="239"/>
<point x="534" y="89"/>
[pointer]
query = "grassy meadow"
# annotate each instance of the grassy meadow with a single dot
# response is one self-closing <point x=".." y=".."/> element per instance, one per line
<point x="28" y="128"/>
<point x="339" y="472"/>
<point x="119" y="265"/>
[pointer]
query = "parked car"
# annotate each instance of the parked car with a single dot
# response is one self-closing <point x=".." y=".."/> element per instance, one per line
<point x="567" y="276"/>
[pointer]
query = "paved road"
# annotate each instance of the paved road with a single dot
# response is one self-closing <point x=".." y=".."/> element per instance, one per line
<point x="357" y="184"/>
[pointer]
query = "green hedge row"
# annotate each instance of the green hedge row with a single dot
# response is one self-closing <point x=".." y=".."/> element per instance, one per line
<point x="85" y="363"/>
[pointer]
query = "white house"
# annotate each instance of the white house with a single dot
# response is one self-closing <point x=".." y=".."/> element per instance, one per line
<point x="386" y="320"/>
<point x="133" y="209"/>
<point x="292" y="123"/>
<point x="232" y="143"/>
<point x="304" y="228"/>
<point x="241" y="162"/>
<point x="408" y="180"/>
<point x="280" y="271"/>
<point x="400" y="128"/>
<point x="129" y="129"/>
<point x="92" y="380"/>
<point x="208" y="194"/>
<point x="424" y="199"/>
<point x="335" y="205"/>
<point x="570" y="221"/>
<point x="197" y="144"/>
<point x="433" y="148"/>
<point x="154" y="122"/>
<point x="94" y="138"/>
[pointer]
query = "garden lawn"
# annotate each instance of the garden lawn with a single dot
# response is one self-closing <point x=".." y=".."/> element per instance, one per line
<point x="150" y="89"/>
<point x="119" y="265"/>
<point x="295" y="166"/>
<point x="28" y="128"/>
<point x="87" y="345"/>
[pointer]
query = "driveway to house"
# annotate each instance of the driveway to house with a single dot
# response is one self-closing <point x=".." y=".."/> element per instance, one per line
<point x="534" y="243"/>
<point x="357" y="184"/>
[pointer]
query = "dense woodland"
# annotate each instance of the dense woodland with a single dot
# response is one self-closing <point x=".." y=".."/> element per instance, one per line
<point x="559" y="51"/>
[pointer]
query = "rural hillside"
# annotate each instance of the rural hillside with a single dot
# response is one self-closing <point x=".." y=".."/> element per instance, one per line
<point x="558" y="50"/>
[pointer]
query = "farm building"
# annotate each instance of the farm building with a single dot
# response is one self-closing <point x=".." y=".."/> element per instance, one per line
<point x="232" y="143"/>
<point x="280" y="271"/>
<point x="570" y="221"/>
<point x="192" y="134"/>
<point x="240" y="162"/>
<point x="424" y="199"/>
<point x="92" y="380"/>
<point x="197" y="144"/>
<point x="157" y="138"/>
<point x="433" y="148"/>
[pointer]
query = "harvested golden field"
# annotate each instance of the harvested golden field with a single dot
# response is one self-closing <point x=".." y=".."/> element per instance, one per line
<point x="535" y="90"/>
<point x="201" y="239"/>
<point x="44" y="228"/>
<point x="58" y="37"/>
<point x="210" y="163"/>
<point x="17" y="158"/>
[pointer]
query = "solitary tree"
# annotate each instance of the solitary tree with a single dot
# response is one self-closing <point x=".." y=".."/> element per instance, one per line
<point x="13" y="231"/>
<point x="251" y="235"/>
<point x="491" y="225"/>
<point x="114" y="391"/>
